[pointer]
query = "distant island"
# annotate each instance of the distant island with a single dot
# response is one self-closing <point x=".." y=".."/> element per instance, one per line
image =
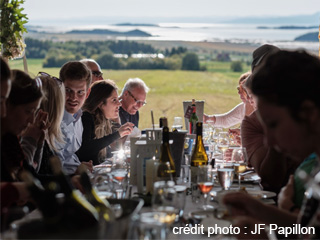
<point x="308" y="37"/>
<point x="137" y="24"/>
<point x="133" y="33"/>
<point x="288" y="27"/>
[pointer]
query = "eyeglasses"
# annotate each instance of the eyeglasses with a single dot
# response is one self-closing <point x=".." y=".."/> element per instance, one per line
<point x="137" y="101"/>
<point x="58" y="80"/>
<point x="97" y="74"/>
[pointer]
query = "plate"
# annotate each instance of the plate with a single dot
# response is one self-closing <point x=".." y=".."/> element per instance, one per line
<point x="261" y="194"/>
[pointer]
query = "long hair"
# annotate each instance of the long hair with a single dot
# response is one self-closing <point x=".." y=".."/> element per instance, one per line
<point x="53" y="102"/>
<point x="100" y="91"/>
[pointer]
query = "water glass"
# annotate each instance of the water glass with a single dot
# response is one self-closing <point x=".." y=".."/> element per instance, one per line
<point x="165" y="200"/>
<point x="225" y="176"/>
<point x="151" y="226"/>
<point x="181" y="198"/>
<point x="177" y="123"/>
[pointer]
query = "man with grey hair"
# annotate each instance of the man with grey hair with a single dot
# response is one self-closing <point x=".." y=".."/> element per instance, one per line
<point x="94" y="68"/>
<point x="133" y="97"/>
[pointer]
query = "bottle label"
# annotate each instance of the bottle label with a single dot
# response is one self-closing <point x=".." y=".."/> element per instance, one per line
<point x="188" y="112"/>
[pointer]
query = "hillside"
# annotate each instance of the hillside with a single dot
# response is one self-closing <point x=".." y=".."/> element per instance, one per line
<point x="308" y="37"/>
<point x="135" y="33"/>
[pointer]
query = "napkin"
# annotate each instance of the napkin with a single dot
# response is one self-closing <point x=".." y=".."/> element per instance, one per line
<point x="136" y="132"/>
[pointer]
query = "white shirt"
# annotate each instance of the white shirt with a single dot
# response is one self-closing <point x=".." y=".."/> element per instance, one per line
<point x="71" y="127"/>
<point x="233" y="117"/>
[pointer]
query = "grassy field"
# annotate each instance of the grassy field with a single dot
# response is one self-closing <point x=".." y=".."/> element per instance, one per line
<point x="169" y="89"/>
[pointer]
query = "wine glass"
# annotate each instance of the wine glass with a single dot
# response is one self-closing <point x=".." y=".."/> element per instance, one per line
<point x="223" y="143"/>
<point x="240" y="160"/>
<point x="205" y="183"/>
<point x="119" y="173"/>
<point x="215" y="136"/>
<point x="165" y="201"/>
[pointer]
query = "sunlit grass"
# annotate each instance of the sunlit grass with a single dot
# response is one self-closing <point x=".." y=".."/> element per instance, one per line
<point x="169" y="89"/>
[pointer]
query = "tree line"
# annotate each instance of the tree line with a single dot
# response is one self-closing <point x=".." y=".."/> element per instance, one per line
<point x="55" y="54"/>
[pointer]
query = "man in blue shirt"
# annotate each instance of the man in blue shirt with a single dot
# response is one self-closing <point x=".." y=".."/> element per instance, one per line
<point x="133" y="97"/>
<point x="76" y="78"/>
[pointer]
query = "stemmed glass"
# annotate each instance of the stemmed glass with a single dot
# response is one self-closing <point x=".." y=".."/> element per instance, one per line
<point x="205" y="183"/>
<point x="119" y="173"/>
<point x="215" y="136"/>
<point x="240" y="160"/>
<point x="223" y="144"/>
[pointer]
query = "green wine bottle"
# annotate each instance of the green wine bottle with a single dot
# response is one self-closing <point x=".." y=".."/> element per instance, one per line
<point x="101" y="205"/>
<point x="78" y="213"/>
<point x="166" y="169"/>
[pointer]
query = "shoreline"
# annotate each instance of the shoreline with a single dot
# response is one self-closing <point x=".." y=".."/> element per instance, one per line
<point x="239" y="46"/>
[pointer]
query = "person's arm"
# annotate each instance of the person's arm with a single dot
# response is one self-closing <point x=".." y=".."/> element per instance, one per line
<point x="231" y="118"/>
<point x="266" y="161"/>
<point x="90" y="146"/>
<point x="32" y="151"/>
<point x="29" y="146"/>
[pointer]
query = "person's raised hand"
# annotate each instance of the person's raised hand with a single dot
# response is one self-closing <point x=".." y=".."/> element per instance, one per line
<point x="126" y="129"/>
<point x="36" y="130"/>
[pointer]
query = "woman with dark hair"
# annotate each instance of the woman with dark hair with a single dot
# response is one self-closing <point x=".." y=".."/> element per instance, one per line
<point x="99" y="132"/>
<point x="22" y="105"/>
<point x="287" y="88"/>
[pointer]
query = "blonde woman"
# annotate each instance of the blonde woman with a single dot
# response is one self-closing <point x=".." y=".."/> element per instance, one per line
<point x="52" y="103"/>
<point x="235" y="115"/>
<point x="100" y="107"/>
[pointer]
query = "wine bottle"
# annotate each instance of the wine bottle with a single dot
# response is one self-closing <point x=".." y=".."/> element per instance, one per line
<point x="78" y="213"/>
<point x="199" y="156"/>
<point x="193" y="118"/>
<point x="101" y="205"/>
<point x="45" y="199"/>
<point x="166" y="169"/>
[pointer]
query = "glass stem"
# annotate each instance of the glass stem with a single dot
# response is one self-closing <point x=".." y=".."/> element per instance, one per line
<point x="239" y="179"/>
<point x="205" y="196"/>
<point x="223" y="158"/>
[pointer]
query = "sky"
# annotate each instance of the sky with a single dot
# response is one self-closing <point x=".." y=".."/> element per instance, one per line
<point x="44" y="11"/>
